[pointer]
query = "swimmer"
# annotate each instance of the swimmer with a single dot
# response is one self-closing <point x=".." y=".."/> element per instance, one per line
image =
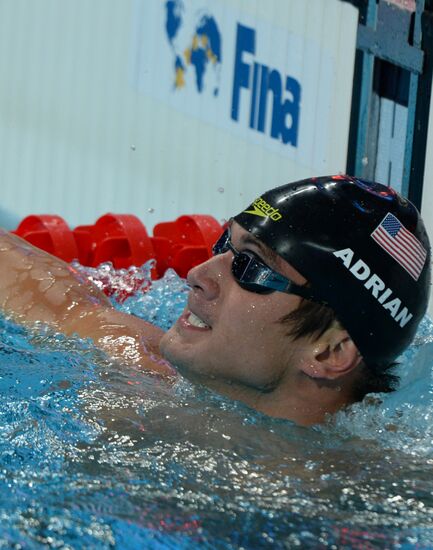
<point x="312" y="293"/>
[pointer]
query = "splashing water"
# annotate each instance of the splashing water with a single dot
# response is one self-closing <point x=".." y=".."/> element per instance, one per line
<point x="128" y="290"/>
<point x="97" y="456"/>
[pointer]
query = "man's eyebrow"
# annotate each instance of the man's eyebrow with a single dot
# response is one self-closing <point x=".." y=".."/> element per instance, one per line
<point x="266" y="252"/>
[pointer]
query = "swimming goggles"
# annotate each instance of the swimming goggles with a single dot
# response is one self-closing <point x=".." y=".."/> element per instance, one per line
<point x="254" y="275"/>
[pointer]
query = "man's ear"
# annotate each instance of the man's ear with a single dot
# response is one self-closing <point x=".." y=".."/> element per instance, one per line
<point x="333" y="355"/>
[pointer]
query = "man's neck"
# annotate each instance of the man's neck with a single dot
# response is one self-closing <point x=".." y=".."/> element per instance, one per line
<point x="304" y="400"/>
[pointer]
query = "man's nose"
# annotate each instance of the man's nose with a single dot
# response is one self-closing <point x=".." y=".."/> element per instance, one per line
<point x="207" y="277"/>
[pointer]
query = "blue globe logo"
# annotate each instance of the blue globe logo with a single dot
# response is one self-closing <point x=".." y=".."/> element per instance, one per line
<point x="202" y="53"/>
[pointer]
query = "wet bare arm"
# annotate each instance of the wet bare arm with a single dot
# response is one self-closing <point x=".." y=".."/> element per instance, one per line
<point x="35" y="286"/>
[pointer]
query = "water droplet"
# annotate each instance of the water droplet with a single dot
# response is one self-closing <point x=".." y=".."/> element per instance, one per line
<point x="220" y="189"/>
<point x="132" y="147"/>
<point x="151" y="210"/>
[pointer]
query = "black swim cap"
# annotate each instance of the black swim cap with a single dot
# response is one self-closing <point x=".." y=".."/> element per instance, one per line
<point x="362" y="247"/>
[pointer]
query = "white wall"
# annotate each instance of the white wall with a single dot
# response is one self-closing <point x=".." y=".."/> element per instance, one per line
<point x="87" y="126"/>
<point x="427" y="196"/>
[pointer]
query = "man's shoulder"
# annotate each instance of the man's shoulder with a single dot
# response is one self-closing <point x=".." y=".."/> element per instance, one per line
<point x="125" y="338"/>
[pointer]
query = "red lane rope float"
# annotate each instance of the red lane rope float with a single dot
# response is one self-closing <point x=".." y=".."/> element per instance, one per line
<point x="186" y="242"/>
<point x="118" y="238"/>
<point x="122" y="239"/>
<point x="50" y="233"/>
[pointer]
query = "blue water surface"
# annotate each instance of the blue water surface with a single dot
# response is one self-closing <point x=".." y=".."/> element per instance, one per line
<point x="94" y="455"/>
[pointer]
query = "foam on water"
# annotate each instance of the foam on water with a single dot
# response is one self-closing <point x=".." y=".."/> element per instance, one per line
<point x="96" y="455"/>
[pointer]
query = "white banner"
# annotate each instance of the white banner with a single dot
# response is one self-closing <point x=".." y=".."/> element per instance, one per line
<point x="243" y="74"/>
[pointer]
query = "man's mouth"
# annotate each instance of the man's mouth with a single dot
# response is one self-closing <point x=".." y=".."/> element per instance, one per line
<point x="195" y="321"/>
<point x="190" y="319"/>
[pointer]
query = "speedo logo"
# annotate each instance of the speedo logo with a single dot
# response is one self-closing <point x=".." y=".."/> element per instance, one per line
<point x="265" y="210"/>
<point x="376" y="286"/>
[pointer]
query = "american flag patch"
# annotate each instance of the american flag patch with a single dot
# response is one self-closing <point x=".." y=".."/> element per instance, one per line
<point x="401" y="245"/>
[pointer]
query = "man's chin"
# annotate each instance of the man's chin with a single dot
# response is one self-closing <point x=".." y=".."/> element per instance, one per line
<point x="166" y="344"/>
<point x="171" y="349"/>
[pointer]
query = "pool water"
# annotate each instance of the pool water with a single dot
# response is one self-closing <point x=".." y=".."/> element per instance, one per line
<point x="94" y="455"/>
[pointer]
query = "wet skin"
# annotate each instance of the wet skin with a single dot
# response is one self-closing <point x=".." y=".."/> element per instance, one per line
<point x="35" y="286"/>
<point x="244" y="342"/>
<point x="228" y="338"/>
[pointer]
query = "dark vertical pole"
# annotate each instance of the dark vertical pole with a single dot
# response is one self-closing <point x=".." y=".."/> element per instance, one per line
<point x="354" y="114"/>
<point x="420" y="130"/>
<point x="412" y="104"/>
<point x="365" y="97"/>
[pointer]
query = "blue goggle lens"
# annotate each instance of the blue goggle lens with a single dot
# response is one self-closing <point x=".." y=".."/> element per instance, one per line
<point x="254" y="275"/>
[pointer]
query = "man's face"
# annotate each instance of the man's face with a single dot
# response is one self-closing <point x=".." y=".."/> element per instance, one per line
<point x="231" y="334"/>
